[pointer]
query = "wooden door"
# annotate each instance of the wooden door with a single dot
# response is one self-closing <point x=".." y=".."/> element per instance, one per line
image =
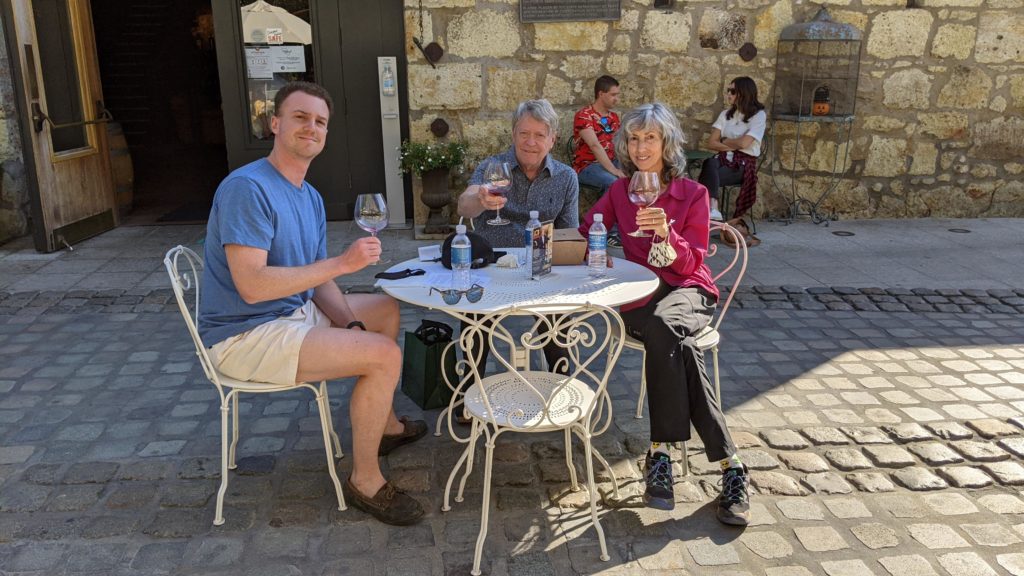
<point x="57" y="82"/>
<point x="347" y="38"/>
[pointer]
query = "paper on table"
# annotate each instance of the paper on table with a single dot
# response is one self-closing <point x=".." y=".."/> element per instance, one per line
<point x="430" y="253"/>
<point x="442" y="279"/>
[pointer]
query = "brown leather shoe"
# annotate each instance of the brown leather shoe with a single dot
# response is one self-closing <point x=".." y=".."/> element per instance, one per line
<point x="389" y="505"/>
<point x="414" y="430"/>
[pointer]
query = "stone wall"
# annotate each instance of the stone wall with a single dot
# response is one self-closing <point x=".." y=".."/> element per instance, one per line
<point x="14" y="200"/>
<point x="938" y="130"/>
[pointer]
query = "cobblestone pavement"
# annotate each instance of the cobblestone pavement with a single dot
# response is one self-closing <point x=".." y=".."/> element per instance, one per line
<point x="881" y="442"/>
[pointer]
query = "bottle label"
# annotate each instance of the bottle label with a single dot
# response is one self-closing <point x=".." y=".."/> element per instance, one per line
<point x="597" y="242"/>
<point x="461" y="255"/>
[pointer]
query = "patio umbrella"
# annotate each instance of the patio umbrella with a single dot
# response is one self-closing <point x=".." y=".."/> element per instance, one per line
<point x="259" y="16"/>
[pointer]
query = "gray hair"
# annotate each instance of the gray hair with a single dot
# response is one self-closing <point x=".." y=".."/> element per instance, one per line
<point x="540" y="110"/>
<point x="660" y="118"/>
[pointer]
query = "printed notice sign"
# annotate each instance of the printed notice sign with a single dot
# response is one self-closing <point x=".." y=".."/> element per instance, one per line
<point x="569" y="10"/>
<point x="257" y="62"/>
<point x="543" y="247"/>
<point x="288" y="58"/>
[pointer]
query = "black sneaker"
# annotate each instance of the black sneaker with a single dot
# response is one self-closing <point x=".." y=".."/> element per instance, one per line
<point x="614" y="241"/>
<point x="658" y="475"/>
<point x="734" y="503"/>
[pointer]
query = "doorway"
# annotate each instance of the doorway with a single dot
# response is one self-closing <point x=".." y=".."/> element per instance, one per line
<point x="158" y="67"/>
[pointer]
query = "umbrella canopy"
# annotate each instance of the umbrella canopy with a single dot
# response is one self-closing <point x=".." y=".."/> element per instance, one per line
<point x="259" y="16"/>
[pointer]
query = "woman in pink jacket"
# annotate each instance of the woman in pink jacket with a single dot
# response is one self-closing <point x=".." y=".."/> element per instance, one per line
<point x="678" y="387"/>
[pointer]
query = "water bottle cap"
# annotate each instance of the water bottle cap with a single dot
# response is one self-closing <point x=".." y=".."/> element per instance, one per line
<point x="534" y="214"/>
<point x="598" y="217"/>
<point x="460" y="228"/>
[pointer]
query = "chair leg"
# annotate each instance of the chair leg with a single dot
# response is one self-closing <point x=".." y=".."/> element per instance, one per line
<point x="440" y="420"/>
<point x="592" y="488"/>
<point x="338" y="452"/>
<point x="685" y="460"/>
<point x="718" y="386"/>
<point x="484" y="508"/>
<point x="446" y="507"/>
<point x="574" y="483"/>
<point x="470" y="457"/>
<point x="643" y="386"/>
<point x="325" y="424"/>
<point x="611" y="473"/>
<point x="218" y="516"/>
<point x="234" y="431"/>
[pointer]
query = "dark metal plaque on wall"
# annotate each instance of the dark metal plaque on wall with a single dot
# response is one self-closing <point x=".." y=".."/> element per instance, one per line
<point x="569" y="10"/>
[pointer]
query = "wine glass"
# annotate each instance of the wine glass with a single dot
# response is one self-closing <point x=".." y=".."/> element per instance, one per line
<point x="644" y="189"/>
<point x="372" y="215"/>
<point x="498" y="177"/>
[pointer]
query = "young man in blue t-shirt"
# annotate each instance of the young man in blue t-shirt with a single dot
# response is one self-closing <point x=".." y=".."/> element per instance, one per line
<point x="271" y="311"/>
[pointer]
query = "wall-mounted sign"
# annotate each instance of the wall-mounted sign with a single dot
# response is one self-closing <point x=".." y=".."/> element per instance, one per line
<point x="288" y="58"/>
<point x="275" y="36"/>
<point x="258" y="62"/>
<point x="569" y="10"/>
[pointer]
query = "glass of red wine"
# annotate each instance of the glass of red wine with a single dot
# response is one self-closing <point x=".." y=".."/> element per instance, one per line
<point x="644" y="188"/>
<point x="371" y="214"/>
<point x="498" y="181"/>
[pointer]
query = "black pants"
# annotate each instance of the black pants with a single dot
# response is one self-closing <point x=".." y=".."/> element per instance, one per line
<point x="679" y="390"/>
<point x="552" y="352"/>
<point x="713" y="176"/>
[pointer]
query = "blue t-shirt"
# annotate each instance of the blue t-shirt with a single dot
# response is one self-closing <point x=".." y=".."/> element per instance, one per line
<point x="256" y="206"/>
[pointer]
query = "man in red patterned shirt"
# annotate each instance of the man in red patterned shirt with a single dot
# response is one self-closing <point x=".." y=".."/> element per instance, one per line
<point x="593" y="129"/>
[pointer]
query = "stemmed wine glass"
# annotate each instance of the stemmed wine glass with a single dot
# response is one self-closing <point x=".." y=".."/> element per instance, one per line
<point x="644" y="189"/>
<point x="498" y="177"/>
<point x="372" y="215"/>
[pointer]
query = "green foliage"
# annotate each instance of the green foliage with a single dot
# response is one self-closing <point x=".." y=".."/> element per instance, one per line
<point x="420" y="157"/>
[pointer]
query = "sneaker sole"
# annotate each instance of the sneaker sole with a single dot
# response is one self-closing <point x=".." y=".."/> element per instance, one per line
<point x="734" y="520"/>
<point x="659" y="503"/>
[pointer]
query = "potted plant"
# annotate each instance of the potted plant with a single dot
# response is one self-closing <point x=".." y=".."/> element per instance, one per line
<point x="433" y="161"/>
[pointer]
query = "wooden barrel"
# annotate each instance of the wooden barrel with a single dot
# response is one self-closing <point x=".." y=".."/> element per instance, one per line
<point x="120" y="165"/>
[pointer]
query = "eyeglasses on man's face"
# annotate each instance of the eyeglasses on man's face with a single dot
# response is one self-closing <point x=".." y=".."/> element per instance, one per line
<point x="451" y="296"/>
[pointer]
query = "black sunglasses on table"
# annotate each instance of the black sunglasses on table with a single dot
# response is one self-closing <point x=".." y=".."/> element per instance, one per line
<point x="452" y="296"/>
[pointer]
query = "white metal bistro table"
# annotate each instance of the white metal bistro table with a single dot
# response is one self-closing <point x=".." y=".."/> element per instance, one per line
<point x="505" y="288"/>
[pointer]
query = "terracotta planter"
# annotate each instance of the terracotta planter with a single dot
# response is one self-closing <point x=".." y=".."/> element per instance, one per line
<point x="436" y="196"/>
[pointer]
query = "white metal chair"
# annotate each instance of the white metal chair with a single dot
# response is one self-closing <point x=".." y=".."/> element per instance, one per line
<point x="710" y="336"/>
<point x="185" y="268"/>
<point x="522" y="400"/>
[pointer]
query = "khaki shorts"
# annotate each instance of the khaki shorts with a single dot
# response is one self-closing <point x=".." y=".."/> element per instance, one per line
<point x="270" y="351"/>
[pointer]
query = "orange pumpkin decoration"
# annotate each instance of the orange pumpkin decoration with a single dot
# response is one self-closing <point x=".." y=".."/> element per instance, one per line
<point x="822" y="101"/>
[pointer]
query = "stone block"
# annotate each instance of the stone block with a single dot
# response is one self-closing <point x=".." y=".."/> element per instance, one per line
<point x="804" y="462"/>
<point x="820" y="538"/>
<point x="667" y="32"/>
<point x="889" y="456"/>
<point x="994" y="535"/>
<point x="899" y="33"/>
<point x="827" y="483"/>
<point x="936" y="536"/>
<point x="571" y="36"/>
<point x="847" y="459"/>
<point x="1006" y="473"/>
<point x="925" y="155"/>
<point x="965" y="564"/>
<point x="876" y="536"/>
<point x="507" y="88"/>
<point x="683" y="82"/>
<point x="770" y="23"/>
<point x="967" y="88"/>
<point x="918" y="479"/>
<point x="484" y="33"/>
<point x="910" y="565"/>
<point x="935" y="453"/>
<point x="449" y="86"/>
<point x="721" y="29"/>
<point x="768" y="545"/>
<point x="953" y="41"/>
<point x="776" y="483"/>
<point x="979" y="451"/>
<point x="999" y="37"/>
<point x="907" y="89"/>
<point x="1000" y="138"/>
<point x="886" y="157"/>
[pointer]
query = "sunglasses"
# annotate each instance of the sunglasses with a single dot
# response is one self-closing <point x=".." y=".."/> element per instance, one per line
<point x="451" y="296"/>
<point x="605" y="125"/>
<point x="731" y="90"/>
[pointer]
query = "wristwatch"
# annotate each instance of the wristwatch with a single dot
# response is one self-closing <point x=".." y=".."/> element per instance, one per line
<point x="356" y="324"/>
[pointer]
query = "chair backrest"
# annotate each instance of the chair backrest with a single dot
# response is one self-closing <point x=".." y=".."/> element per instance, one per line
<point x="591" y="337"/>
<point x="739" y="258"/>
<point x="185" y="267"/>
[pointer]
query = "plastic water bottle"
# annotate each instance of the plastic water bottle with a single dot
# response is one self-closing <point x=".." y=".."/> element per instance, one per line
<point x="531" y="224"/>
<point x="462" y="259"/>
<point x="597" y="245"/>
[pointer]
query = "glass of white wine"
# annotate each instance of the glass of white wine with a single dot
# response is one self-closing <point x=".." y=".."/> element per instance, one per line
<point x="371" y="214"/>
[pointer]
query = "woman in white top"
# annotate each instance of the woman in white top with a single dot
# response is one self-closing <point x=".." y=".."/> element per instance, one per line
<point x="736" y="135"/>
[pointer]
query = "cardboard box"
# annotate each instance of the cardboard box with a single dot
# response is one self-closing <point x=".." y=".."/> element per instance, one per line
<point x="569" y="247"/>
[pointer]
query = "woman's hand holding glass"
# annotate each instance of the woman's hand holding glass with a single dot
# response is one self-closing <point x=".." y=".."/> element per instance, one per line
<point x="654" y="220"/>
<point x="644" y="189"/>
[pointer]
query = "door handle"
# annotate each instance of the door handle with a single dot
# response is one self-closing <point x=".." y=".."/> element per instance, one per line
<point x="39" y="118"/>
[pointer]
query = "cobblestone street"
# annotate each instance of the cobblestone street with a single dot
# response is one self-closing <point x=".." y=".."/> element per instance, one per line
<point x="881" y="443"/>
